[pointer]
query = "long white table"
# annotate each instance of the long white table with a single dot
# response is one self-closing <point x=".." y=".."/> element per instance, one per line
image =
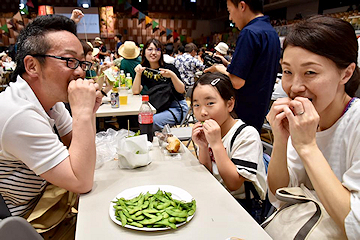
<point x="132" y="107"/>
<point x="218" y="214"/>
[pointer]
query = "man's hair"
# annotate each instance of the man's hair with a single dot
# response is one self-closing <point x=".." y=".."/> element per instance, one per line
<point x="190" y="47"/>
<point x="169" y="49"/>
<point x="118" y="36"/>
<point x="181" y="49"/>
<point x="32" y="38"/>
<point x="256" y="6"/>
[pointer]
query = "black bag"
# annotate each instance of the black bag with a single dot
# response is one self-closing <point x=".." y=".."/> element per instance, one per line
<point x="161" y="96"/>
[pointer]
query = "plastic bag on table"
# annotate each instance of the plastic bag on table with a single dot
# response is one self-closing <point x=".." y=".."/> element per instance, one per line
<point x="163" y="135"/>
<point x="106" y="144"/>
<point x="133" y="152"/>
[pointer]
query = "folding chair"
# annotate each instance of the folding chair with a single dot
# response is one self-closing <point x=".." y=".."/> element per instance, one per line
<point x="183" y="131"/>
<point x="14" y="227"/>
<point x="266" y="126"/>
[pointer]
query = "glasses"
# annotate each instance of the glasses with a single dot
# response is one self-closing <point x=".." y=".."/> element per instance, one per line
<point x="72" y="63"/>
<point x="153" y="49"/>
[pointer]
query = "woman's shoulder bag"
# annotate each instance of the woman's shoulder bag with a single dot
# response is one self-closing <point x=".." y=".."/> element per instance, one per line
<point x="161" y="96"/>
<point x="301" y="217"/>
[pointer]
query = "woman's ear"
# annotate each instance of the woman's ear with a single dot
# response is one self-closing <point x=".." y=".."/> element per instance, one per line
<point x="231" y="104"/>
<point x="32" y="66"/>
<point x="347" y="73"/>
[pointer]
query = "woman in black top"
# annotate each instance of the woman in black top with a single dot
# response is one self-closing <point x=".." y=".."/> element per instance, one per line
<point x="164" y="85"/>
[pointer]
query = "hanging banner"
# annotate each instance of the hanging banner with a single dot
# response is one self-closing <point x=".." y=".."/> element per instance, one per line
<point x="141" y="17"/>
<point x="154" y="24"/>
<point x="162" y="30"/>
<point x="168" y="32"/>
<point x="17" y="16"/>
<point x="135" y="11"/>
<point x="182" y="38"/>
<point x="107" y="22"/>
<point x="127" y="6"/>
<point x="175" y="35"/>
<point x="5" y="28"/>
<point x="24" y="10"/>
<point x="44" y="10"/>
<point x="148" y="21"/>
<point x="30" y="4"/>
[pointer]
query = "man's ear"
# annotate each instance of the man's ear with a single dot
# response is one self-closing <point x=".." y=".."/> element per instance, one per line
<point x="32" y="66"/>
<point x="347" y="73"/>
<point x="242" y="6"/>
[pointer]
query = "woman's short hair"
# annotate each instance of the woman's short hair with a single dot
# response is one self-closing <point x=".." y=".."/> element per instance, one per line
<point x="332" y="38"/>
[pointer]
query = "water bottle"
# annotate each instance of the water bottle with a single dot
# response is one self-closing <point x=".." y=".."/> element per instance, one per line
<point x="146" y="118"/>
<point x="122" y="78"/>
<point x="128" y="81"/>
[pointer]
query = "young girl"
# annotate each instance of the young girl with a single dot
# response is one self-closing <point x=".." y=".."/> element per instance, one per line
<point x="231" y="157"/>
<point x="152" y="57"/>
<point x="316" y="129"/>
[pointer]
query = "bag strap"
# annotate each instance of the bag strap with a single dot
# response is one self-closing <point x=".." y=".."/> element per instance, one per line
<point x="249" y="187"/>
<point x="310" y="224"/>
<point x="172" y="113"/>
<point x="292" y="199"/>
<point x="242" y="126"/>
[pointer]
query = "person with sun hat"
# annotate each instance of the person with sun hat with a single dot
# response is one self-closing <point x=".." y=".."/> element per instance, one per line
<point x="131" y="57"/>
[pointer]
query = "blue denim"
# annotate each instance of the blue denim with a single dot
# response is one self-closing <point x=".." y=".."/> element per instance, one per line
<point x="165" y="117"/>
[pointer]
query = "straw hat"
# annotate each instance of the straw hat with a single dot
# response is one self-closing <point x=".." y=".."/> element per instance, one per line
<point x="97" y="39"/>
<point x="222" y="48"/>
<point x="95" y="51"/>
<point x="129" y="50"/>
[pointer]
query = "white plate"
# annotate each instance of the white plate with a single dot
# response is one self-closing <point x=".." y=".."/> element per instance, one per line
<point x="177" y="193"/>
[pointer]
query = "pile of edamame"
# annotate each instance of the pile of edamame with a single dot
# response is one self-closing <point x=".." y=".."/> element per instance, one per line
<point x="157" y="210"/>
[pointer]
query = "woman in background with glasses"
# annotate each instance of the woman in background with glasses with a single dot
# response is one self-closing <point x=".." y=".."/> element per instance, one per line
<point x="174" y="106"/>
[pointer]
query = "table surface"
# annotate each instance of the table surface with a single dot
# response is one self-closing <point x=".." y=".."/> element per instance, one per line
<point x="132" y="107"/>
<point x="218" y="214"/>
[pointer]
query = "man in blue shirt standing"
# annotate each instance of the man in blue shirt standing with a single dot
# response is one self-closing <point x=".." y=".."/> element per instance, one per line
<point x="254" y="65"/>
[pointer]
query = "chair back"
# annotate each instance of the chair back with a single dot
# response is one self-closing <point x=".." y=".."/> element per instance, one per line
<point x="4" y="210"/>
<point x="14" y="228"/>
<point x="189" y="118"/>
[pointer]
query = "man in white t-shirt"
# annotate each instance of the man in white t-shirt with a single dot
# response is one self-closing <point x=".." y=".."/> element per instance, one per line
<point x="39" y="141"/>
